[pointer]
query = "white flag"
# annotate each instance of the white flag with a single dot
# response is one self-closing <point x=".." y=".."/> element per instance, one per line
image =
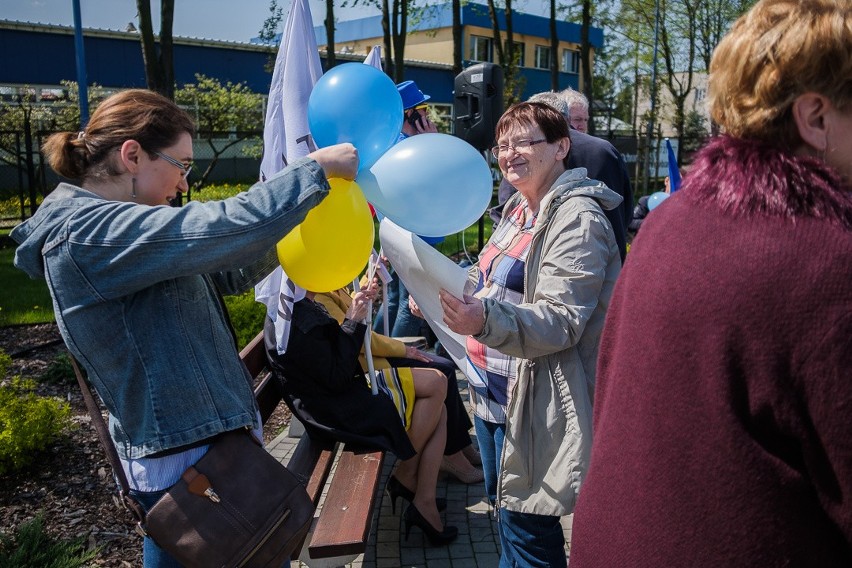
<point x="286" y="137"/>
<point x="375" y="57"/>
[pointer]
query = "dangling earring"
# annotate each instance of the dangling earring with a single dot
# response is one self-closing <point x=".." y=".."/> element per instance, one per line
<point x="133" y="188"/>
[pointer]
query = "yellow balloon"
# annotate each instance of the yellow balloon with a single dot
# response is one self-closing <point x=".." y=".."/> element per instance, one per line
<point x="332" y="245"/>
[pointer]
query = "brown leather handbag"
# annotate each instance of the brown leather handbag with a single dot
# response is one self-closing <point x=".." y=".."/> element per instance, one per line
<point x="237" y="506"/>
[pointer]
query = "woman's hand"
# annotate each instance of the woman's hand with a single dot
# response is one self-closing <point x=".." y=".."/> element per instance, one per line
<point x="358" y="309"/>
<point x="337" y="161"/>
<point x="361" y="301"/>
<point x="424" y="125"/>
<point x="465" y="317"/>
<point x="416" y="354"/>
<point x="414" y="308"/>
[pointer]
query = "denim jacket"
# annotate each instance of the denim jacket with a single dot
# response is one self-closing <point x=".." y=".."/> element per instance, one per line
<point x="134" y="298"/>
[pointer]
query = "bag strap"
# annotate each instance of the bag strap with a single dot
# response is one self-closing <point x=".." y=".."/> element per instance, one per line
<point x="106" y="442"/>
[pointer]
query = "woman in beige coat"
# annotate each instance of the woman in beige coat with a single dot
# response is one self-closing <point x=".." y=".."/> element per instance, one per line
<point x="570" y="263"/>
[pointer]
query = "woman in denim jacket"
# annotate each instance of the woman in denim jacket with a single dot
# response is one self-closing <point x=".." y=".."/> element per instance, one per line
<point x="136" y="283"/>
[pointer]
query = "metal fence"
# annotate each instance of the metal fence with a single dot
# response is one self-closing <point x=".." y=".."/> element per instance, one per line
<point x="25" y="177"/>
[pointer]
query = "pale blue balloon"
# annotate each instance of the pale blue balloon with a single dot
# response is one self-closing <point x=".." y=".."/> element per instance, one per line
<point x="356" y="103"/>
<point x="430" y="184"/>
<point x="656" y="198"/>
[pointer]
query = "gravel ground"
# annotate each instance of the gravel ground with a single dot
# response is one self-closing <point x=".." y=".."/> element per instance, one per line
<point x="71" y="482"/>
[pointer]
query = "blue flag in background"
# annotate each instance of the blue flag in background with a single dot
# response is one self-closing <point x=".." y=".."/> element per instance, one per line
<point x="674" y="172"/>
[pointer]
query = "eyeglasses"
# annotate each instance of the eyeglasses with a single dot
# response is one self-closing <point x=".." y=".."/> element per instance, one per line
<point x="417" y="109"/>
<point x="185" y="168"/>
<point x="520" y="147"/>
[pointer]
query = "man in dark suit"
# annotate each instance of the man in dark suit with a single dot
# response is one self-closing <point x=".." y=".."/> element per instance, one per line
<point x="602" y="162"/>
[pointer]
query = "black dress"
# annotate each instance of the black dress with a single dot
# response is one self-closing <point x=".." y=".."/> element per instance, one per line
<point x="323" y="384"/>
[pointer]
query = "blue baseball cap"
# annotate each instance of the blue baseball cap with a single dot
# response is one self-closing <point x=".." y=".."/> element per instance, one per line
<point x="411" y="95"/>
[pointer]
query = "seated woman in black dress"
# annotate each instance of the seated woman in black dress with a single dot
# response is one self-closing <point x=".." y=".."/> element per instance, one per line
<point x="326" y="389"/>
<point x="392" y="354"/>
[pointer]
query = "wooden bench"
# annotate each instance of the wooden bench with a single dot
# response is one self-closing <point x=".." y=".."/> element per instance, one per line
<point x="342" y="527"/>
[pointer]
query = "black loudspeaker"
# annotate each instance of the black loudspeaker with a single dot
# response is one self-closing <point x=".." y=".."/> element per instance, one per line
<point x="478" y="104"/>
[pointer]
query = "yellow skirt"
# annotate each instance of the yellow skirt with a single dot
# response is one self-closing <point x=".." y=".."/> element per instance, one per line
<point x="398" y="384"/>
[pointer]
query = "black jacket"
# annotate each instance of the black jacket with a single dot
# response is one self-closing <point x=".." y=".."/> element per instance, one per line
<point x="323" y="384"/>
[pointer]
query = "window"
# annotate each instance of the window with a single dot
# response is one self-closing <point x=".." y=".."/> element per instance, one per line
<point x="519" y="52"/>
<point x="480" y="48"/>
<point x="542" y="57"/>
<point x="570" y="61"/>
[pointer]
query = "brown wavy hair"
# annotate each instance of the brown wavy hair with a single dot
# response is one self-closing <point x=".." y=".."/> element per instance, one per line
<point x="135" y="114"/>
<point x="777" y="51"/>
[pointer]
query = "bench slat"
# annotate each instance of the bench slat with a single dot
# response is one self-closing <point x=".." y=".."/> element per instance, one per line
<point x="254" y="355"/>
<point x="344" y="524"/>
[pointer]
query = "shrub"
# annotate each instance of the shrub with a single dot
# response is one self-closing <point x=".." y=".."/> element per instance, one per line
<point x="31" y="547"/>
<point x="28" y="422"/>
<point x="214" y="192"/>
<point x="246" y="316"/>
<point x="59" y="371"/>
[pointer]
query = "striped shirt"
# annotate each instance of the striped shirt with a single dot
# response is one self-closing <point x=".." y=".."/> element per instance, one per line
<point x="502" y="265"/>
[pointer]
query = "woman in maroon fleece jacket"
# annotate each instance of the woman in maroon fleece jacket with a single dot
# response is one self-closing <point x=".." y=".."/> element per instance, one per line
<point x="723" y="409"/>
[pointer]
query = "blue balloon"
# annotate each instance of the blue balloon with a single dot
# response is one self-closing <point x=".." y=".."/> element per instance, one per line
<point x="656" y="198"/>
<point x="431" y="240"/>
<point x="430" y="184"/>
<point x="356" y="103"/>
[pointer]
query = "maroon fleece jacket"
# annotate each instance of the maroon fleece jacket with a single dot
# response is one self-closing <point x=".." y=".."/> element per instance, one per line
<point x="723" y="407"/>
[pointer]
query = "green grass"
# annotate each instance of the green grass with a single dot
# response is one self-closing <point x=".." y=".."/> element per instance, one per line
<point x="23" y="300"/>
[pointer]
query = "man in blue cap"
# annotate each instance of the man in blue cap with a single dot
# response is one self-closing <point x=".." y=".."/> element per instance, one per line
<point x="416" y="111"/>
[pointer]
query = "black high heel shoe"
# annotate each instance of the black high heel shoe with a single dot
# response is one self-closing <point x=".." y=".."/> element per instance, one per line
<point x="396" y="489"/>
<point x="436" y="538"/>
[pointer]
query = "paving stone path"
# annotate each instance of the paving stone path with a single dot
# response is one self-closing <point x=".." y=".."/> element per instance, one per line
<point x="477" y="546"/>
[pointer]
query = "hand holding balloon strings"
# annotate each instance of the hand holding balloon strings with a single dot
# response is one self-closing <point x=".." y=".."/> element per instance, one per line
<point x="337" y="161"/>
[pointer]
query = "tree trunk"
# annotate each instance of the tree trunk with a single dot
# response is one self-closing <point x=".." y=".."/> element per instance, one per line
<point x="166" y="60"/>
<point x="386" y="32"/>
<point x="554" y="49"/>
<point x="159" y="63"/>
<point x="586" y="57"/>
<point x="511" y="63"/>
<point x="399" y="27"/>
<point x="457" y="38"/>
<point x="498" y="41"/>
<point x="330" y="58"/>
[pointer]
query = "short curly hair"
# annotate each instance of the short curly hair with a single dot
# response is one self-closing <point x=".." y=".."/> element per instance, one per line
<point x="777" y="51"/>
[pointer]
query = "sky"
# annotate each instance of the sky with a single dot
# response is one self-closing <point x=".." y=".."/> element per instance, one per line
<point x="231" y="20"/>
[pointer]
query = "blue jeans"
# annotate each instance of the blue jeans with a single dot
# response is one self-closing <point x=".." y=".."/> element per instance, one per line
<point x="490" y="437"/>
<point x="531" y="541"/>
<point x="152" y="555"/>
<point x="393" y="305"/>
<point x="406" y="324"/>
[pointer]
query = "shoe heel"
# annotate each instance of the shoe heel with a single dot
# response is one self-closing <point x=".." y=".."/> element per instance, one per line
<point x="407" y="523"/>
<point x="393" y="497"/>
